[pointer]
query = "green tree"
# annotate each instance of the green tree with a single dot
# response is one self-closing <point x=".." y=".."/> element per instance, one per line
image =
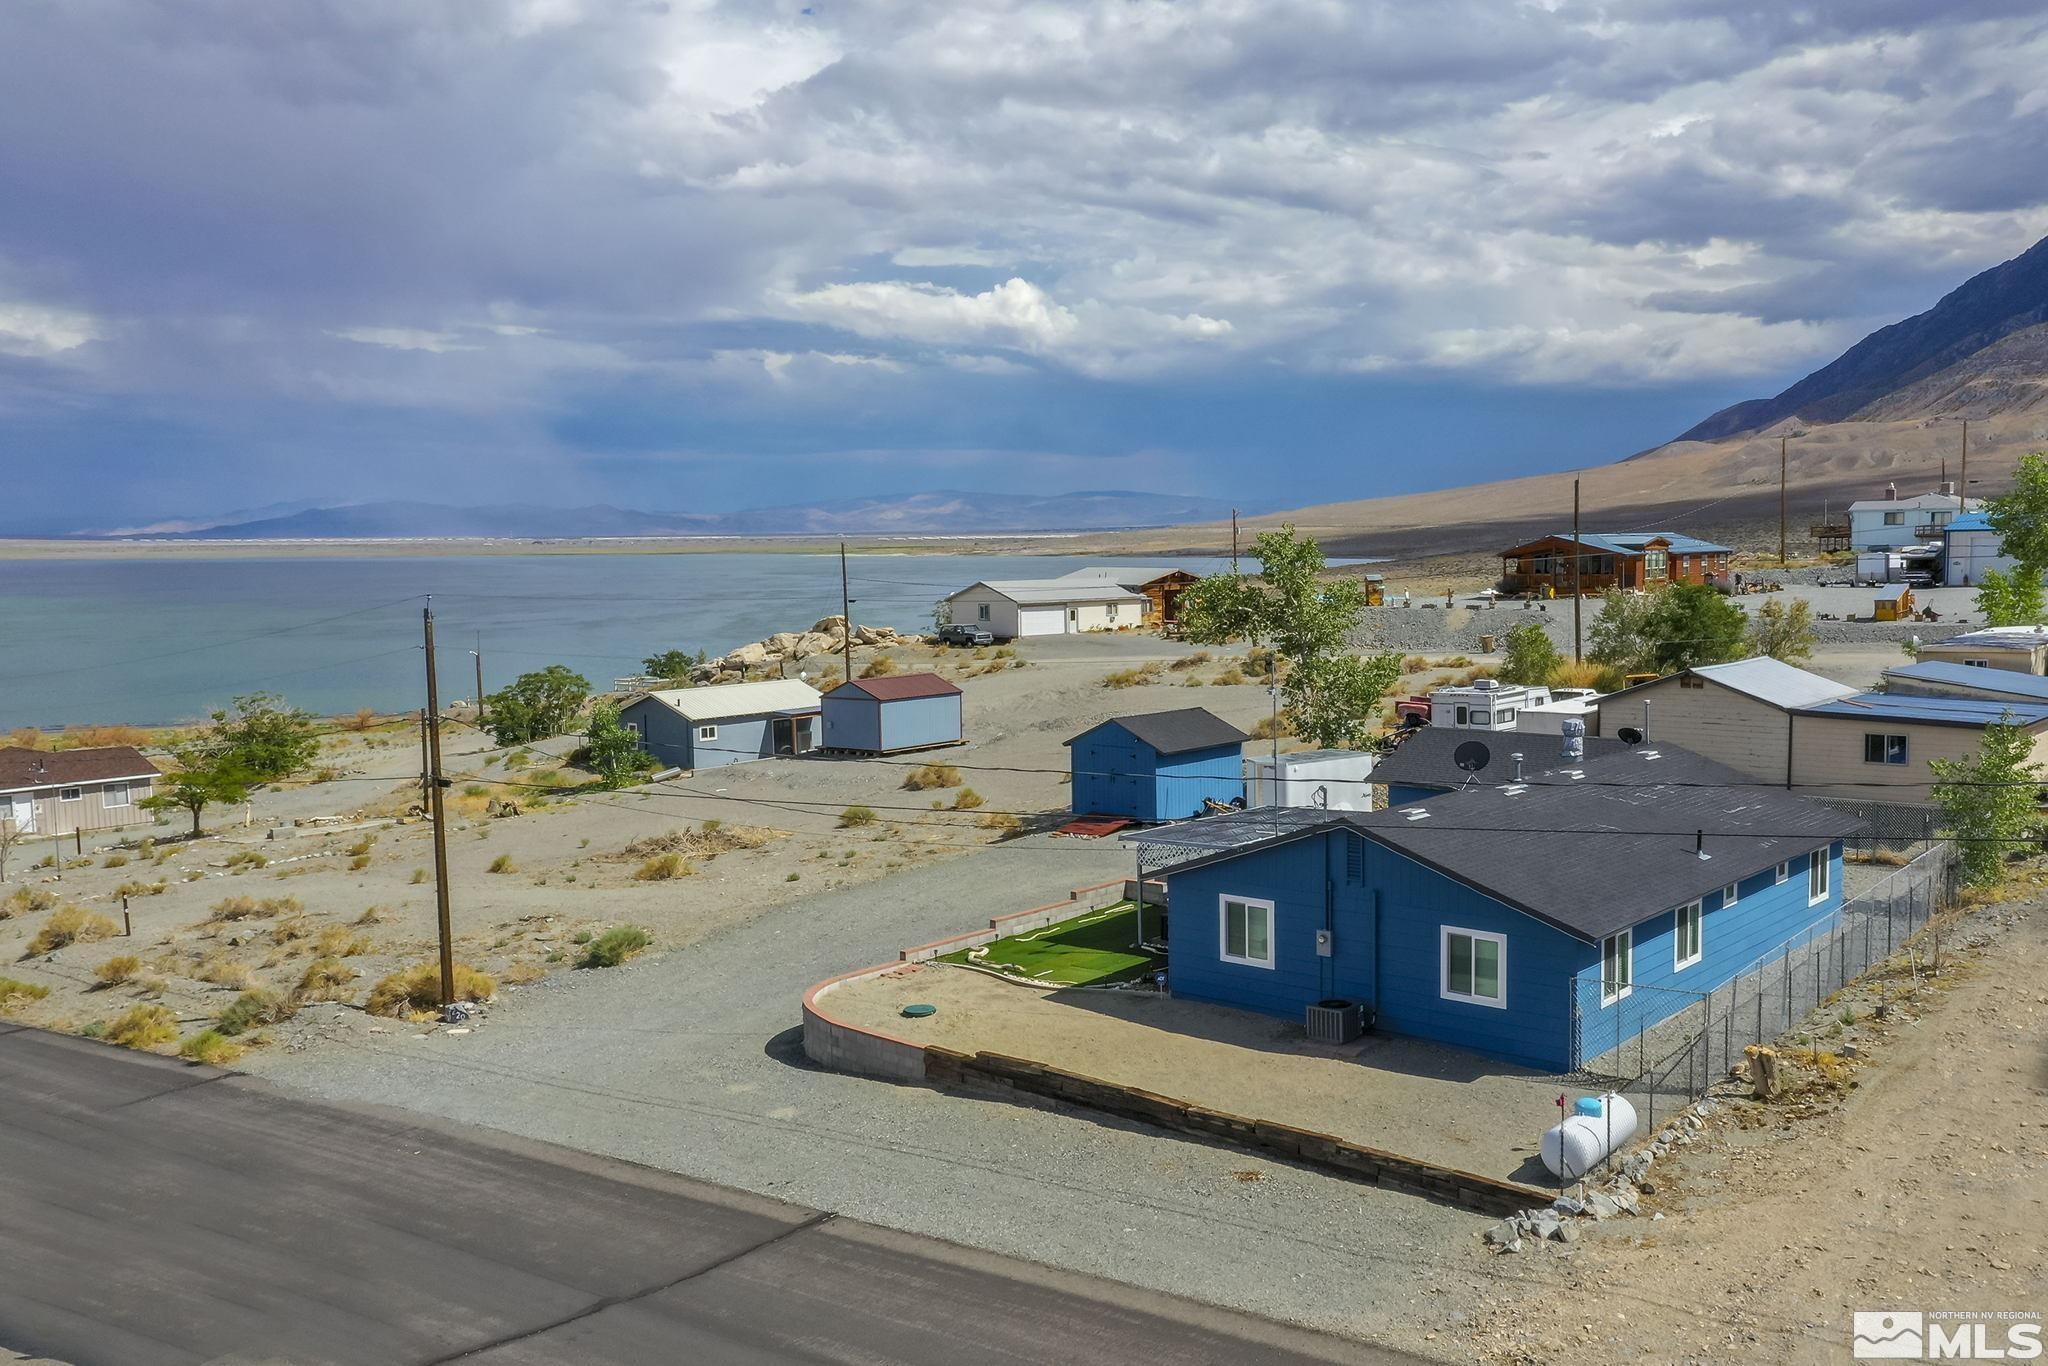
<point x="2010" y="599"/>
<point x="1531" y="658"/>
<point x="1622" y="634"/>
<point x="1307" y="618"/>
<point x="203" y="778"/>
<point x="672" y="665"/>
<point x="614" y="749"/>
<point x="2020" y="516"/>
<point x="536" y="705"/>
<point x="1987" y="802"/>
<point x="263" y="739"/>
<point x="1692" y="624"/>
<point x="1783" y="632"/>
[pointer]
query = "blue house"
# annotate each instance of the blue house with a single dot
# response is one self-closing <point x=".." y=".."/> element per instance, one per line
<point x="1160" y="766"/>
<point x="1526" y="920"/>
<point x="725" y="723"/>
<point x="892" y="715"/>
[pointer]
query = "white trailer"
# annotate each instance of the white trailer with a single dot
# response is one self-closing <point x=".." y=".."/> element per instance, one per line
<point x="1325" y="779"/>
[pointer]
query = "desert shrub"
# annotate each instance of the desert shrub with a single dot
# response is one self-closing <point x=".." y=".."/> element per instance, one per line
<point x="223" y="971"/>
<point x="375" y="915"/>
<point x="519" y="758"/>
<point x="144" y="1026"/>
<point x="243" y="859"/>
<point x="932" y="775"/>
<point x="95" y="737"/>
<point x="122" y="967"/>
<point x="881" y="666"/>
<point x="339" y="941"/>
<point x="854" y="816"/>
<point x="663" y="867"/>
<point x="359" y="862"/>
<point x="71" y="925"/>
<point x="252" y="1010"/>
<point x="141" y="888"/>
<point x="614" y="947"/>
<point x="15" y="993"/>
<point x="1001" y="821"/>
<point x="211" y="1047"/>
<point x="1580" y="673"/>
<point x="1193" y="661"/>
<point x="417" y="990"/>
<point x="363" y="719"/>
<point x="291" y="930"/>
<point x="1230" y="677"/>
<point x="708" y="841"/>
<point x="419" y="875"/>
<point x="503" y="864"/>
<point x="114" y="861"/>
<point x="363" y="845"/>
<point x="27" y="901"/>
<point x="254" y="908"/>
<point x="1268" y="727"/>
<point x="520" y="974"/>
<point x="967" y="799"/>
<point x="1414" y="664"/>
<point x="1131" y="678"/>
<point x="328" y="979"/>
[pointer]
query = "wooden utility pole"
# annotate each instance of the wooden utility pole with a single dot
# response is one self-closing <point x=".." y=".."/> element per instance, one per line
<point x="1578" y="561"/>
<point x="1233" y="543"/>
<point x="1964" y="496"/>
<point x="478" y="655"/>
<point x="845" y="615"/>
<point x="435" y="813"/>
<point x="1781" y="502"/>
<point x="426" y="768"/>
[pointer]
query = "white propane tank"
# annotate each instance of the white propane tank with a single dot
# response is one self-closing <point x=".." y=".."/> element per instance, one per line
<point x="1575" y="1147"/>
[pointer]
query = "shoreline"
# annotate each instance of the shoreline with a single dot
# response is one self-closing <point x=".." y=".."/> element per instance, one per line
<point x="1006" y="543"/>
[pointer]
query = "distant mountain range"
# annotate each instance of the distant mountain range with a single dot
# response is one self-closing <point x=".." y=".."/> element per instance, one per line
<point x="1981" y="351"/>
<point x="938" y="513"/>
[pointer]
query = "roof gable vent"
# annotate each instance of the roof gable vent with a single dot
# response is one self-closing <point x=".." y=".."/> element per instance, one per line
<point x="1417" y="813"/>
<point x="1515" y="789"/>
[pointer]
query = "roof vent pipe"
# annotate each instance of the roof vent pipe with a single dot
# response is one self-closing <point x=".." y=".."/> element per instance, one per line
<point x="1574" y="738"/>
<point x="1891" y="492"/>
<point x="1518" y="766"/>
<point x="1646" y="720"/>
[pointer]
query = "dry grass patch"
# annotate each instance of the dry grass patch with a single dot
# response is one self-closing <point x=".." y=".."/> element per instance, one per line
<point x="415" y="992"/>
<point x="340" y="941"/>
<point x="663" y="868"/>
<point x="520" y="974"/>
<point x="122" y="967"/>
<point x="139" y="889"/>
<point x="114" y="861"/>
<point x="223" y="971"/>
<point x="235" y="908"/>
<point x="927" y="776"/>
<point x="1000" y="821"/>
<point x="375" y="915"/>
<point x="614" y="947"/>
<point x="502" y="864"/>
<point x="967" y="799"/>
<point x="15" y="993"/>
<point x="856" y="816"/>
<point x="143" y="1026"/>
<point x="1193" y="661"/>
<point x="327" y="979"/>
<point x="881" y="666"/>
<point x="1134" y="677"/>
<point x="242" y="860"/>
<point x="28" y="901"/>
<point x="706" y="842"/>
<point x="252" y="1010"/>
<point x="211" y="1047"/>
<point x="71" y="925"/>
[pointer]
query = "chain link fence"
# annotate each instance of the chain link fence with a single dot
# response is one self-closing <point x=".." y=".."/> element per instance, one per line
<point x="1662" y="1049"/>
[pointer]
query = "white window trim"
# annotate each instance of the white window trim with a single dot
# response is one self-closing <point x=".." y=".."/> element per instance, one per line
<point x="1731" y="894"/>
<point x="1628" y="988"/>
<point x="1784" y="872"/>
<point x="70" y="794"/>
<point x="981" y="612"/>
<point x="707" y="733"/>
<point x="1223" y="904"/>
<point x="1820" y="862"/>
<point x="1443" y="958"/>
<point x="107" y="795"/>
<point x="1699" y="949"/>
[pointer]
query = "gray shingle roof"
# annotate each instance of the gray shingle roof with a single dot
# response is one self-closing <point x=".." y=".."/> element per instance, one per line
<point x="1594" y="854"/>
<point x="1177" y="732"/>
<point x="1423" y="759"/>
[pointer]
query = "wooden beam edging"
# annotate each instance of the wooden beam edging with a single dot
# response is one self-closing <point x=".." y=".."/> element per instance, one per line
<point x="1392" y="1171"/>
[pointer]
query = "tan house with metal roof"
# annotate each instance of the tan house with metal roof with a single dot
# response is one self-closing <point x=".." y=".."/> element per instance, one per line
<point x="56" y="793"/>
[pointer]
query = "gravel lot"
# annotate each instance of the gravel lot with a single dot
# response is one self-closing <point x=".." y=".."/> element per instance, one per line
<point x="691" y="1061"/>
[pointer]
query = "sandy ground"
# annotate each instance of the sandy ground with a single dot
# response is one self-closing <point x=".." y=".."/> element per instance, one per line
<point x="1923" y="1186"/>
<point x="570" y="872"/>
<point x="1407" y="1096"/>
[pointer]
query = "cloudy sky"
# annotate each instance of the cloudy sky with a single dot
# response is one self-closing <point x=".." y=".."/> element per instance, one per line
<point x="710" y="255"/>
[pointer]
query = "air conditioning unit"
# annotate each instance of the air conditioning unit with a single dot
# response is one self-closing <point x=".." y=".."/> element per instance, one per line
<point x="1335" y="1022"/>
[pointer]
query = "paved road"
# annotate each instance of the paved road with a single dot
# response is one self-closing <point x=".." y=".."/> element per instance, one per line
<point x="691" y="1062"/>
<point x="157" y="1212"/>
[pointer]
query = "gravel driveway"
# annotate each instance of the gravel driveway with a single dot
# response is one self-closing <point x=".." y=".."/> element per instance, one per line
<point x="692" y="1062"/>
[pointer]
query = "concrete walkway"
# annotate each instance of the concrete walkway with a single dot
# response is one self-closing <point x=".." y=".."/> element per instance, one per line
<point x="159" y="1213"/>
<point x="692" y="1062"/>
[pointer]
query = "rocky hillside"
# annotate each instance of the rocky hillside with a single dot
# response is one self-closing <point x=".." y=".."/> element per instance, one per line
<point x="1978" y="352"/>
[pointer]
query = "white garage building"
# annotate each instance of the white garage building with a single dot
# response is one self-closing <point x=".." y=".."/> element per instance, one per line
<point x="1047" y="607"/>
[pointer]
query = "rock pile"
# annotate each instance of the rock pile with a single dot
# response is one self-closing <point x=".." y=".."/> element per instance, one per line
<point x="1617" y="1198"/>
<point x="826" y="637"/>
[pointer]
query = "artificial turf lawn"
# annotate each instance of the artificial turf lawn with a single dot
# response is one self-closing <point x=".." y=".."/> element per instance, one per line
<point x="1094" y="949"/>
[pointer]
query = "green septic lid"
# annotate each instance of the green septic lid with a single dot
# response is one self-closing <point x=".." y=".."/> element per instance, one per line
<point x="920" y="1010"/>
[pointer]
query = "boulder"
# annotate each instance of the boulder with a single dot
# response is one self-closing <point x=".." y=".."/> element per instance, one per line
<point x="784" y="642"/>
<point x="1505" y="1235"/>
<point x="830" y="625"/>
<point x="747" y="657"/>
<point x="815" y="643"/>
<point x="1601" y="1205"/>
<point x="873" y="635"/>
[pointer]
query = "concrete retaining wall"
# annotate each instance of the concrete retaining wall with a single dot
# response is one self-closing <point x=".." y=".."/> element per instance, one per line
<point x="831" y="1042"/>
<point x="1391" y="1171"/>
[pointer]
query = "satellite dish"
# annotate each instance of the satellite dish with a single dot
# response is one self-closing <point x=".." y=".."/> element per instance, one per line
<point x="1472" y="756"/>
<point x="1629" y="735"/>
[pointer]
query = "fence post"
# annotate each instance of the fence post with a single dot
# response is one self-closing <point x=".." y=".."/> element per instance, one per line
<point x="1728" y="1027"/>
<point x="1785" y="971"/>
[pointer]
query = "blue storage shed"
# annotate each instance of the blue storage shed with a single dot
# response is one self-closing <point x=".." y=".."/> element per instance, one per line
<point x="1160" y="766"/>
<point x="725" y="723"/>
<point x="892" y="715"/>
<point x="1542" y="922"/>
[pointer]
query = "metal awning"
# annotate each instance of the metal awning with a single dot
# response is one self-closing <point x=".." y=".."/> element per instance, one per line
<point x="1165" y="846"/>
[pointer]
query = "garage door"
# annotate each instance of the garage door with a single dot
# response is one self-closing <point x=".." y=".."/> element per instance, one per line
<point x="1041" y="621"/>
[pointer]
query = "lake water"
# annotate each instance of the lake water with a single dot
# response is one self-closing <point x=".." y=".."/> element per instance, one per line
<point x="158" y="641"/>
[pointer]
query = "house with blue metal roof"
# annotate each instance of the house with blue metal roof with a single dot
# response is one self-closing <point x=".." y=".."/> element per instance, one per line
<point x="1947" y="678"/>
<point x="1539" y="921"/>
<point x="1878" y="746"/>
<point x="1970" y="548"/>
<point x="1593" y="562"/>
